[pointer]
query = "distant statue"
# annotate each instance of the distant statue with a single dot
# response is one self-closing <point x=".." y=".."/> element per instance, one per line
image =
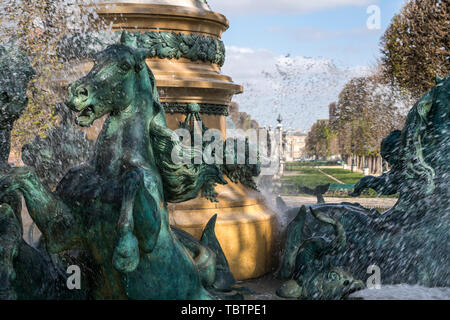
<point x="112" y="210"/>
<point x="15" y="73"/>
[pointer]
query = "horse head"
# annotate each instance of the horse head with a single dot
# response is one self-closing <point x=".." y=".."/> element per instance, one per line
<point x="119" y="74"/>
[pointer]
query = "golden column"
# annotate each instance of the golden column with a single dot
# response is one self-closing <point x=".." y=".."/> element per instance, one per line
<point x="188" y="54"/>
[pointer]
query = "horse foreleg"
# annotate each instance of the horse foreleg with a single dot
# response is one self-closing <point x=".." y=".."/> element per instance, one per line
<point x="140" y="220"/>
<point x="149" y="211"/>
<point x="126" y="252"/>
<point x="54" y="219"/>
<point x="10" y="237"/>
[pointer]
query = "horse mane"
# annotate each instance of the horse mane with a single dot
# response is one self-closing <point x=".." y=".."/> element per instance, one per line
<point x="179" y="179"/>
<point x="413" y="134"/>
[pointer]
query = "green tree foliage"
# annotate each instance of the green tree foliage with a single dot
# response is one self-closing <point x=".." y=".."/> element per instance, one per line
<point x="416" y="46"/>
<point x="321" y="140"/>
<point x="366" y="112"/>
<point x="242" y="120"/>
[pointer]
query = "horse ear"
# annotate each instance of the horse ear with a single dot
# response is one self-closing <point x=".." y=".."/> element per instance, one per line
<point x="140" y="56"/>
<point x="123" y="37"/>
<point x="129" y="39"/>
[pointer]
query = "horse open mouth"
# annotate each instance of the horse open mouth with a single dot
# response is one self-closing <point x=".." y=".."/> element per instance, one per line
<point x="354" y="288"/>
<point x="86" y="117"/>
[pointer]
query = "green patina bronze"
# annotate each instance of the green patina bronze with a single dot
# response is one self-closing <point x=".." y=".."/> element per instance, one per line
<point x="409" y="242"/>
<point x="22" y="268"/>
<point x="235" y="170"/>
<point x="304" y="262"/>
<point x="15" y="73"/>
<point x="178" y="45"/>
<point x="213" y="109"/>
<point x="112" y="210"/>
<point x="239" y="159"/>
<point x="68" y="144"/>
<point x="161" y="44"/>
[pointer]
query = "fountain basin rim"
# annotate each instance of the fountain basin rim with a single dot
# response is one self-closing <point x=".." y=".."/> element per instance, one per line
<point x="139" y="10"/>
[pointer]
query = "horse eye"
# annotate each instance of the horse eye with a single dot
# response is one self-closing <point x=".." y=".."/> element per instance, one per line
<point x="4" y="96"/>
<point x="333" y="276"/>
<point x="125" y="66"/>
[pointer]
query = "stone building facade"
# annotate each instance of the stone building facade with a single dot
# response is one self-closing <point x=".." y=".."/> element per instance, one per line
<point x="294" y="145"/>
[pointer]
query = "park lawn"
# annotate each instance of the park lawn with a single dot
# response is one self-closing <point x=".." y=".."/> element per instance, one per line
<point x="308" y="177"/>
<point x="345" y="176"/>
<point x="295" y="166"/>
<point x="312" y="177"/>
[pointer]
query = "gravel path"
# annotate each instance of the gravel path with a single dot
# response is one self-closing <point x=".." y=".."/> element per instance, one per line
<point x="330" y="176"/>
<point x="384" y="203"/>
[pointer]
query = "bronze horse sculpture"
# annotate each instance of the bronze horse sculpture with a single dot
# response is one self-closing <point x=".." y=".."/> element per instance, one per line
<point x="112" y="210"/>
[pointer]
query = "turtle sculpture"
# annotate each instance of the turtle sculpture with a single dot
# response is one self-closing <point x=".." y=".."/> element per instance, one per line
<point x="108" y="216"/>
<point x="409" y="242"/>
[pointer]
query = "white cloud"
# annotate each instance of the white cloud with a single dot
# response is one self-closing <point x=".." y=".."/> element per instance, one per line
<point x="281" y="6"/>
<point x="298" y="88"/>
<point x="316" y="34"/>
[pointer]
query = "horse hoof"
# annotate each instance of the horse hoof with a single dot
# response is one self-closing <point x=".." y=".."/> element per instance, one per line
<point x="126" y="253"/>
<point x="290" y="290"/>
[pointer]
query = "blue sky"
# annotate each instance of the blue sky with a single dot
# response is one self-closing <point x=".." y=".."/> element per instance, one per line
<point x="293" y="57"/>
<point x="337" y="33"/>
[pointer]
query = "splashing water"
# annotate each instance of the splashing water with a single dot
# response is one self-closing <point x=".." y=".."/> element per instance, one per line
<point x="403" y="292"/>
<point x="75" y="148"/>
